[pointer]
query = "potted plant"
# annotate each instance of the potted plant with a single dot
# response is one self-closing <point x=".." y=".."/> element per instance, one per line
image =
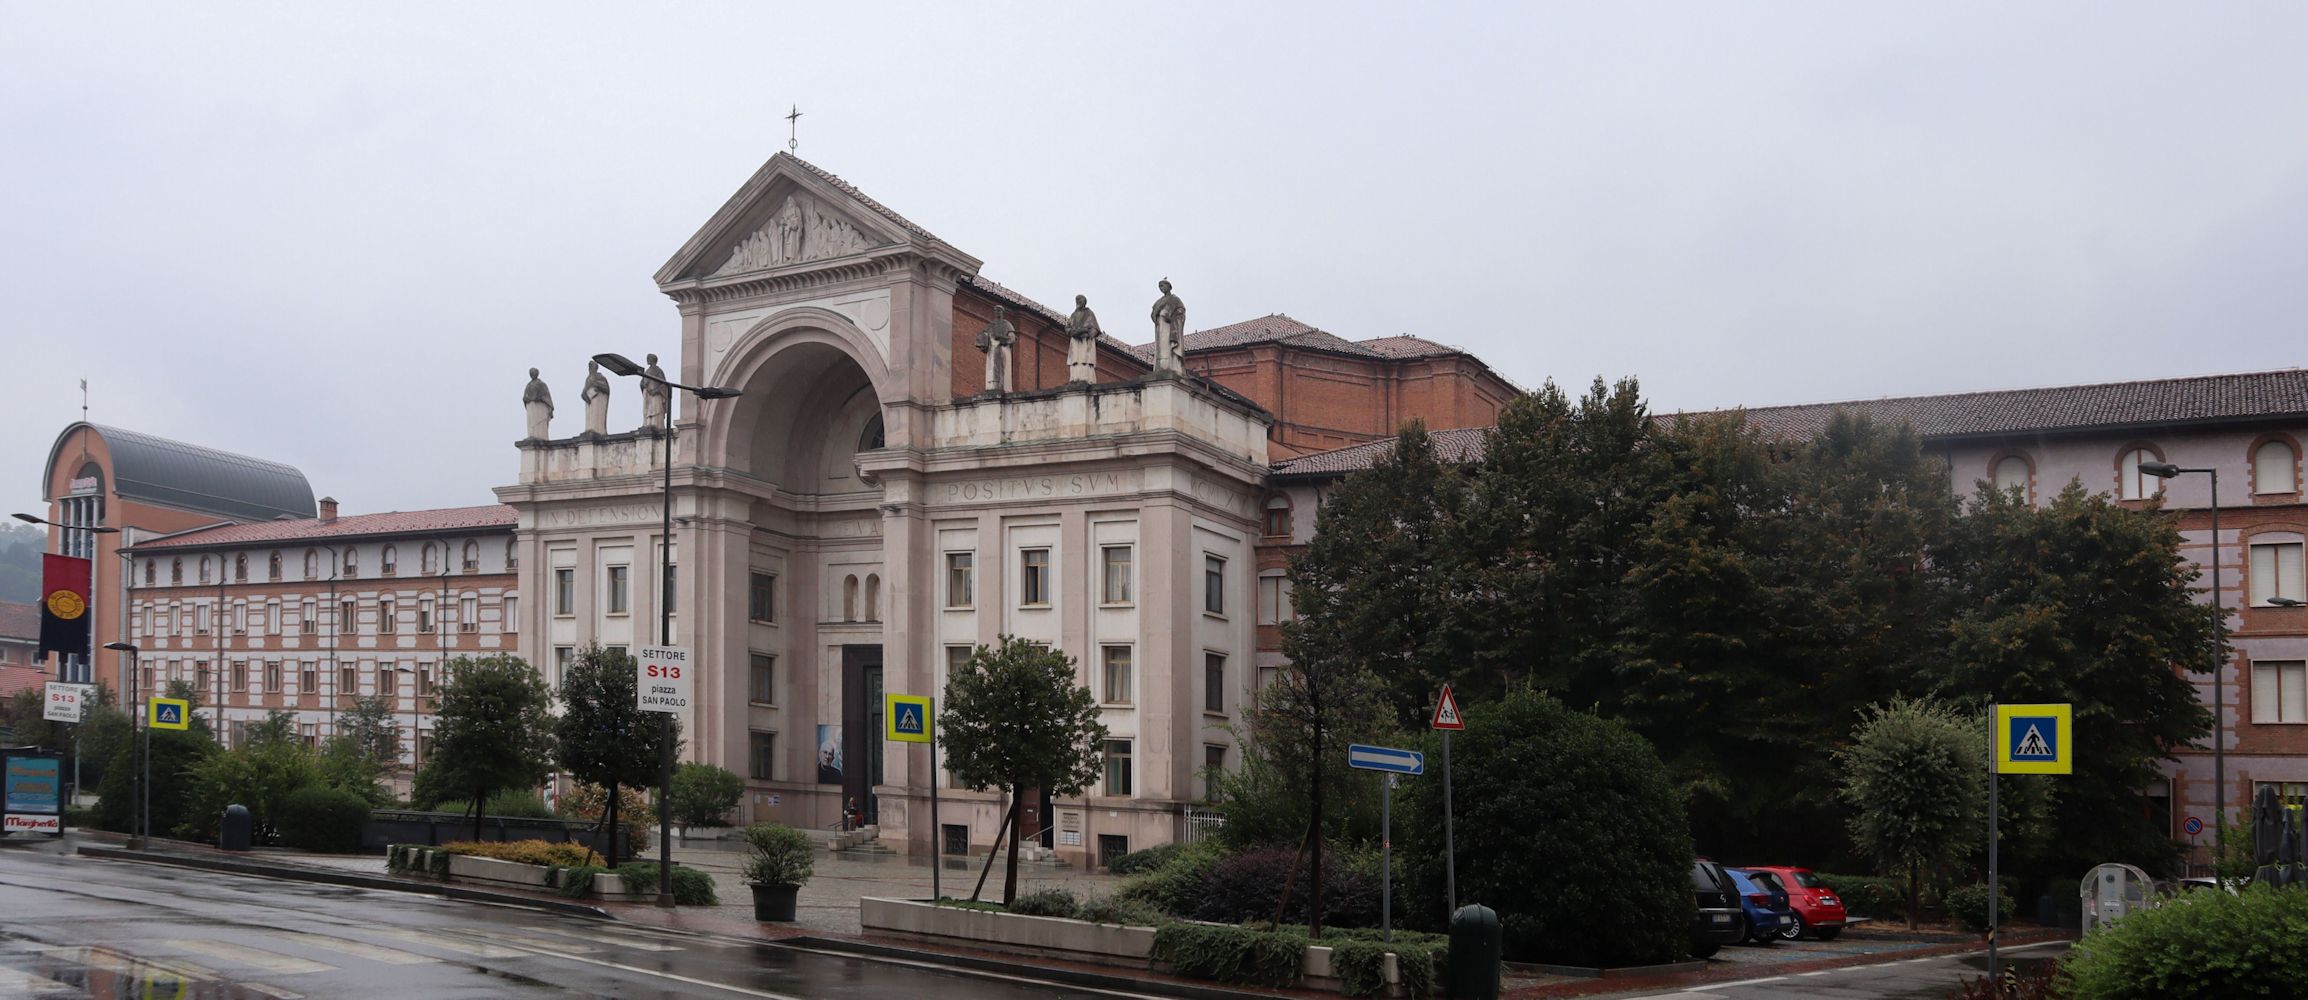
<point x="778" y="859"/>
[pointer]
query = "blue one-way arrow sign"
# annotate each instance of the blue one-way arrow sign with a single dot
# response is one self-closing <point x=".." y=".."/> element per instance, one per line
<point x="1385" y="759"/>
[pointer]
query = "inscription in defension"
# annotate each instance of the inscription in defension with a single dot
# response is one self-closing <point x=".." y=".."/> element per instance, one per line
<point x="1041" y="487"/>
<point x="630" y="513"/>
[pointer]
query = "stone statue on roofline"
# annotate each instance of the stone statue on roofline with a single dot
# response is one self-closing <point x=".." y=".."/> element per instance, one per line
<point x="998" y="340"/>
<point x="1082" y="347"/>
<point x="656" y="397"/>
<point x="537" y="402"/>
<point x="1169" y="332"/>
<point x="596" y="399"/>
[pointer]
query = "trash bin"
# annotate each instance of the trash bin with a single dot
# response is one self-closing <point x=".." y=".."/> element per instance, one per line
<point x="233" y="833"/>
<point x="1476" y="940"/>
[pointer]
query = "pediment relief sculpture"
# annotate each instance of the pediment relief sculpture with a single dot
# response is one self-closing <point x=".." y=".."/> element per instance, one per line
<point x="802" y="230"/>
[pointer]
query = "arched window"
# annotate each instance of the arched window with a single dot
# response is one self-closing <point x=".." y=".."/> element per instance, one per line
<point x="2275" y="469"/>
<point x="512" y="554"/>
<point x="240" y="568"/>
<point x="2012" y="473"/>
<point x="151" y="569"/>
<point x="176" y="570"/>
<point x="204" y="569"/>
<point x="385" y="560"/>
<point x="312" y="564"/>
<point x="272" y="567"/>
<point x="2131" y="483"/>
<point x="425" y="558"/>
<point x="472" y="557"/>
<point x="1278" y="515"/>
<point x="352" y="566"/>
<point x="872" y="437"/>
<point x="849" y="599"/>
<point x="873" y="597"/>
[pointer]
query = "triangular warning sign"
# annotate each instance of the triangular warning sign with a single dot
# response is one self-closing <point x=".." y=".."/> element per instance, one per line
<point x="2032" y="745"/>
<point x="908" y="721"/>
<point x="1446" y="712"/>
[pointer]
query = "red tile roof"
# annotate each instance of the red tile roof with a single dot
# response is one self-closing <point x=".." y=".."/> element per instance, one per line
<point x="19" y="621"/>
<point x="399" y="522"/>
<point x="1464" y="444"/>
<point x="1406" y="346"/>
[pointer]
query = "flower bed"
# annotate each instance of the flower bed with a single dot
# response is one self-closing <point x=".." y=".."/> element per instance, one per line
<point x="449" y="866"/>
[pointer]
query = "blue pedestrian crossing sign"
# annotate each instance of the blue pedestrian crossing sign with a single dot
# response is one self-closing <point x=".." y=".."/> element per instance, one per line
<point x="170" y="713"/>
<point x="2034" y="739"/>
<point x="909" y="717"/>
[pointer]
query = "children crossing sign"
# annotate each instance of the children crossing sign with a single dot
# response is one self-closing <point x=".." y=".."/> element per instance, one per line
<point x="1446" y="712"/>
<point x="909" y="717"/>
<point x="2034" y="739"/>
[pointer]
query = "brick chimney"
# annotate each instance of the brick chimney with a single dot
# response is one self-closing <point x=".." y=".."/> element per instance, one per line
<point x="328" y="510"/>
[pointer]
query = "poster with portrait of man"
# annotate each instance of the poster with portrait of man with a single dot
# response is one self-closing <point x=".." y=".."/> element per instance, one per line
<point x="829" y="755"/>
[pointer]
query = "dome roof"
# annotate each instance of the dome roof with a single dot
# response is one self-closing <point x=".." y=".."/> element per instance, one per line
<point x="190" y="477"/>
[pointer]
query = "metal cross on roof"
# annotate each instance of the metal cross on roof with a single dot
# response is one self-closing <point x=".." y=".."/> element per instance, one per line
<point x="793" y="130"/>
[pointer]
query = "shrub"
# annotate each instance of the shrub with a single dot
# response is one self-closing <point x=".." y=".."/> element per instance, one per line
<point x="1140" y="862"/>
<point x="1568" y="825"/>
<point x="1968" y="905"/>
<point x="2203" y="944"/>
<point x="527" y="852"/>
<point x="1868" y="895"/>
<point x="1174" y="887"/>
<point x="175" y="755"/>
<point x="1112" y="910"/>
<point x="1248" y="886"/>
<point x="777" y="854"/>
<point x="1046" y="903"/>
<point x="577" y="883"/>
<point x="1361" y="966"/>
<point x="1231" y="954"/>
<point x="320" y="818"/>
<point x="704" y="794"/>
<point x="634" y="813"/>
<point x="691" y="887"/>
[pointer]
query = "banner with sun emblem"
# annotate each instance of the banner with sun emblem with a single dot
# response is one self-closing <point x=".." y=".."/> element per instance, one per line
<point x="63" y="605"/>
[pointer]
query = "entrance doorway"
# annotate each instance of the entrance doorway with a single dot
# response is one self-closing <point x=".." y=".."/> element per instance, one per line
<point x="861" y="719"/>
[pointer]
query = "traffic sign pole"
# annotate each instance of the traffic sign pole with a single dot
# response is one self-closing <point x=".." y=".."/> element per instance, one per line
<point x="1386" y="858"/>
<point x="937" y="832"/>
<point x="1994" y="889"/>
<point x="1450" y="846"/>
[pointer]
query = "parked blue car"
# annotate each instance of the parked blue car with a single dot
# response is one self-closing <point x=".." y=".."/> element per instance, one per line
<point x="1764" y="901"/>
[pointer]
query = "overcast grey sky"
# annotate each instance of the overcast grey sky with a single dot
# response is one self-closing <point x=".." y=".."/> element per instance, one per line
<point x="336" y="235"/>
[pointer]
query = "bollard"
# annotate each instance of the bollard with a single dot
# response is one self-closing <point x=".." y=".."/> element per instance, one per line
<point x="233" y="834"/>
<point x="1476" y="940"/>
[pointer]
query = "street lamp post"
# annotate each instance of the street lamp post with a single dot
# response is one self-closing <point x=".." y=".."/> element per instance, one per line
<point x="142" y="826"/>
<point x="622" y="365"/>
<point x="2166" y="470"/>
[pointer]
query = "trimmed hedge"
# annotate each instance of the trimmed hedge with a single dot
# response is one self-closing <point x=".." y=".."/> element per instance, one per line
<point x="1046" y="903"/>
<point x="318" y="818"/>
<point x="527" y="852"/>
<point x="1231" y="954"/>
<point x="2202" y="944"/>
<point x="1968" y="905"/>
<point x="1174" y="888"/>
<point x="690" y="886"/>
<point x="1361" y="965"/>
<point x="1869" y="895"/>
<point x="1141" y="862"/>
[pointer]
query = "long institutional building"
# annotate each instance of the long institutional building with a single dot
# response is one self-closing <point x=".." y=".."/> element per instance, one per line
<point x="868" y="511"/>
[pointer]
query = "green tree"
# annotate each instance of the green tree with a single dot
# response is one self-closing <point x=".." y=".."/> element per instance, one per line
<point x="1018" y="717"/>
<point x="704" y="794"/>
<point x="1915" y="775"/>
<point x="370" y="729"/>
<point x="277" y="726"/>
<point x="259" y="775"/>
<point x="492" y="729"/>
<point x="177" y="756"/>
<point x="2086" y="602"/>
<point x="603" y="735"/>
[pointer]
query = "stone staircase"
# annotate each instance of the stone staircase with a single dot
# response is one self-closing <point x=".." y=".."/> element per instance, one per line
<point x="863" y="840"/>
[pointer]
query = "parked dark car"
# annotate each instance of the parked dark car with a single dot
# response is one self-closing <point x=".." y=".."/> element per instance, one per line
<point x="1819" y="912"/>
<point x="1764" y="902"/>
<point x="1720" y="921"/>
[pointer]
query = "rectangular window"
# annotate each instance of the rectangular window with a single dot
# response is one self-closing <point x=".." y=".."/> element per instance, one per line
<point x="764" y="684"/>
<point x="1034" y="577"/>
<point x="388" y="680"/>
<point x="1117" y="672"/>
<point x="424" y="681"/>
<point x="1274" y="600"/>
<point x="2279" y="691"/>
<point x="308" y="680"/>
<point x="468" y="614"/>
<point x="1267" y="676"/>
<point x="1116" y="590"/>
<point x="272" y="618"/>
<point x="424" y="616"/>
<point x="1214" y="682"/>
<point x="240" y="676"/>
<point x="961" y="579"/>
<point x="200" y="676"/>
<point x="2276" y="572"/>
<point x="386" y="621"/>
<point x="1117" y="767"/>
<point x="955" y="657"/>
<point x="240" y="732"/>
<point x="761" y="598"/>
<point x="308" y="618"/>
<point x="1213" y="584"/>
<point x="272" y="678"/>
<point x="761" y="755"/>
<point x="309" y="733"/>
<point x="348" y="617"/>
<point x="512" y="615"/>
<point x="349" y="681"/>
<point x="564" y="592"/>
<point x="2293" y="793"/>
<point x="561" y="657"/>
<point x="1213" y="765"/>
<point x="617" y="593"/>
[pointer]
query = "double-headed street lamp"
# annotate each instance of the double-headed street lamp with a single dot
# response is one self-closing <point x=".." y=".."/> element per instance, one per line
<point x="2166" y="470"/>
<point x="623" y="365"/>
<point x="142" y="791"/>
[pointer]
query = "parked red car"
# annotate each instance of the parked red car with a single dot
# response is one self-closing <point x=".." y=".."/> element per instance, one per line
<point x="1819" y="912"/>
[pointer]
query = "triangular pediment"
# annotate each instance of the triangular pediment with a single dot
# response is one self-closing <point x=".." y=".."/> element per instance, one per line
<point x="790" y="215"/>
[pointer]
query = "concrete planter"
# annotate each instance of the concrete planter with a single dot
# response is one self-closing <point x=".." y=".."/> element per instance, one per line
<point x="468" y="868"/>
<point x="513" y="874"/>
<point x="1055" y="937"/>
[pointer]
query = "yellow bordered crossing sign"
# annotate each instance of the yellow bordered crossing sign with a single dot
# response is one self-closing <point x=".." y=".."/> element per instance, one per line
<point x="170" y="713"/>
<point x="906" y="717"/>
<point x="2034" y="739"/>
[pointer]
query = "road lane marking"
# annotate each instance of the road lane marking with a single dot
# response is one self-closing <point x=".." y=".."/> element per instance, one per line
<point x="15" y="982"/>
<point x="274" y="992"/>
<point x="532" y="943"/>
<point x="121" y="963"/>
<point x="1741" y="982"/>
<point x="269" y="961"/>
<point x="973" y="973"/>
<point x="357" y="949"/>
<point x="612" y="939"/>
<point x="474" y="948"/>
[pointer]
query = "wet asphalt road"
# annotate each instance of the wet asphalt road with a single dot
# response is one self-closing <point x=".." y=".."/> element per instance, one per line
<point x="1898" y="979"/>
<point x="73" y="927"/>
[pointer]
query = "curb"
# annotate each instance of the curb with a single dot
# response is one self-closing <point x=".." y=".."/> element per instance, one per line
<point x="346" y="879"/>
<point x="1070" y="977"/>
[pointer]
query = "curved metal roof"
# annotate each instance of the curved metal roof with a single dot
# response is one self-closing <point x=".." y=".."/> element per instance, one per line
<point x="190" y="477"/>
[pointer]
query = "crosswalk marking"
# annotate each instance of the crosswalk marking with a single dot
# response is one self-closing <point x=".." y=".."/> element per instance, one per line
<point x="633" y="942"/>
<point x="269" y="961"/>
<point x="15" y="982"/>
<point x="476" y="949"/>
<point x="121" y="963"/>
<point x="372" y="952"/>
